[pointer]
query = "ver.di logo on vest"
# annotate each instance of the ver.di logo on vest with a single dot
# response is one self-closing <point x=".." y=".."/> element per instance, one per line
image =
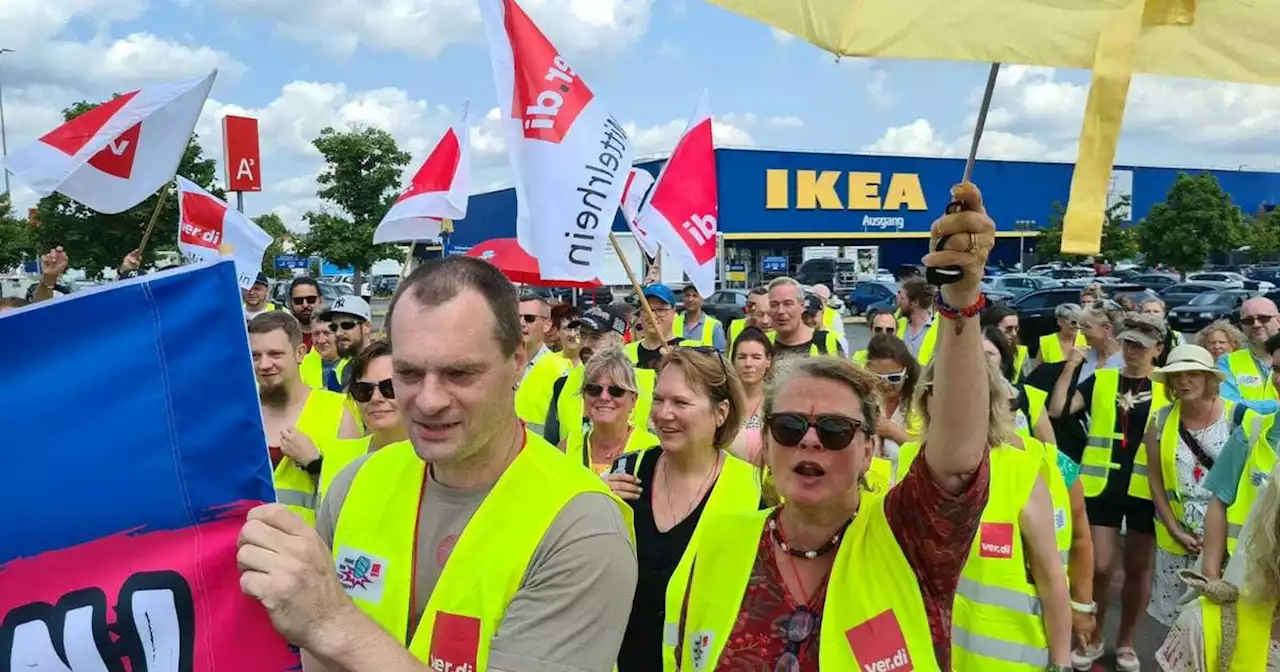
<point x="996" y="540"/>
<point x="879" y="645"/>
<point x="362" y="575"/>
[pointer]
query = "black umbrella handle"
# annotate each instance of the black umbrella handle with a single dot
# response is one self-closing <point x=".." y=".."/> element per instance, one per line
<point x="945" y="275"/>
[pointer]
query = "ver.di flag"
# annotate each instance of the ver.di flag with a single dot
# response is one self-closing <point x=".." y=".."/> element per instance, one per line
<point x="208" y="229"/>
<point x="118" y="154"/>
<point x="439" y="191"/>
<point x="639" y="186"/>
<point x="682" y="211"/>
<point x="126" y="497"/>
<point x="570" y="157"/>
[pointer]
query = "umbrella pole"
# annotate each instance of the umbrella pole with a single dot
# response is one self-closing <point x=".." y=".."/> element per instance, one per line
<point x="151" y="225"/>
<point x="635" y="284"/>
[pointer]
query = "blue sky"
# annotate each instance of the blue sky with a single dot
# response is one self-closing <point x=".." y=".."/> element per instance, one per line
<point x="408" y="66"/>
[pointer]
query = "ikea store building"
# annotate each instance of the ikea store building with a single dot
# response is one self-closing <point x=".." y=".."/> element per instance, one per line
<point x="774" y="204"/>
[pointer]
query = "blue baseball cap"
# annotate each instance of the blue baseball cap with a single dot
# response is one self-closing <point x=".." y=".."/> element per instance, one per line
<point x="662" y="293"/>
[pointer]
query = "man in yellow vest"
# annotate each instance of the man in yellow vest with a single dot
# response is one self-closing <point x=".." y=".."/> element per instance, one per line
<point x="916" y="324"/>
<point x="647" y="352"/>
<point x="350" y="320"/>
<point x="831" y="320"/>
<point x="1239" y="475"/>
<point x="794" y="337"/>
<point x="1248" y="370"/>
<point x="474" y="545"/>
<point x="255" y="298"/>
<point x="535" y="319"/>
<point x="692" y="324"/>
<point x="756" y="314"/>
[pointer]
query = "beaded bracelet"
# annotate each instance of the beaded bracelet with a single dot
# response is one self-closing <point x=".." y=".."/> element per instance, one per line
<point x="952" y="313"/>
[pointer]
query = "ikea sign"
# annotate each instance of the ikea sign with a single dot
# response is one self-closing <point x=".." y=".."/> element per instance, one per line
<point x="847" y="190"/>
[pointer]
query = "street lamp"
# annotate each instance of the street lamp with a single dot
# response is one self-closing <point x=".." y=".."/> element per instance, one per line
<point x="4" y="141"/>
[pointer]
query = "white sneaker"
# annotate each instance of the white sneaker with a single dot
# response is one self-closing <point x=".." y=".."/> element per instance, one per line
<point x="1083" y="659"/>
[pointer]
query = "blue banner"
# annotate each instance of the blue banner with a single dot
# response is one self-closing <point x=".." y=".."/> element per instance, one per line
<point x="284" y="261"/>
<point x="777" y="265"/>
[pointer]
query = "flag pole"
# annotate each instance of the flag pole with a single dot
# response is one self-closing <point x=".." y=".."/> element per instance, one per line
<point x="151" y="225"/>
<point x="635" y="284"/>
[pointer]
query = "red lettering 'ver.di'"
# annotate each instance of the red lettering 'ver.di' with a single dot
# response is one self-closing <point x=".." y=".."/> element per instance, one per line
<point x="995" y="540"/>
<point x="548" y="95"/>
<point x="879" y="645"/>
<point x="455" y="643"/>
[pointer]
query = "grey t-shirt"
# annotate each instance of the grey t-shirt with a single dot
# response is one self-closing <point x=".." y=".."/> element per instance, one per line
<point x="570" y="611"/>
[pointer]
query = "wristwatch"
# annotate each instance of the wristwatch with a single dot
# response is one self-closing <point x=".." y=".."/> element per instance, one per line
<point x="313" y="467"/>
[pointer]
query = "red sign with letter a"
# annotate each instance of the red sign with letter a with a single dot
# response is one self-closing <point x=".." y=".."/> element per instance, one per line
<point x="455" y="643"/>
<point x="879" y="645"/>
<point x="240" y="153"/>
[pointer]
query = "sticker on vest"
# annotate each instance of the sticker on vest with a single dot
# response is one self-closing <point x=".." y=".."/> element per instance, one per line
<point x="995" y="540"/>
<point x="1258" y="478"/>
<point x="361" y="574"/>
<point x="879" y="645"/>
<point x="1248" y="380"/>
<point x="1059" y="519"/>
<point x="1020" y="421"/>
<point x="700" y="648"/>
<point x="455" y="643"/>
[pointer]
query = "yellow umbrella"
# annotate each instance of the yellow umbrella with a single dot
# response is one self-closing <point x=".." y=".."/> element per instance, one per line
<point x="1227" y="40"/>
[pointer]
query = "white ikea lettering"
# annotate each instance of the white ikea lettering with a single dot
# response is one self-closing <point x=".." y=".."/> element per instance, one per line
<point x="245" y="169"/>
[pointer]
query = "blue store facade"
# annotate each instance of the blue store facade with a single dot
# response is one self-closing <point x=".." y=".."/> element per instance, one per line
<point x="775" y="203"/>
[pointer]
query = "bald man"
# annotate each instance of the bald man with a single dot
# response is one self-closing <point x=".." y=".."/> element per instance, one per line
<point x="831" y="320"/>
<point x="1248" y="382"/>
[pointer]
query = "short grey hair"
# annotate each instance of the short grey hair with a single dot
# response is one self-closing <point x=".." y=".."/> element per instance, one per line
<point x="611" y="363"/>
<point x="1151" y="298"/>
<point x="1069" y="312"/>
<point x="786" y="281"/>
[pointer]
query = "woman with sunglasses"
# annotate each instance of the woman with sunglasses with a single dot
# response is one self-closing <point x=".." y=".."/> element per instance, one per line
<point x="687" y="478"/>
<point x="752" y="356"/>
<point x="1052" y="347"/>
<point x="896" y="372"/>
<point x="609" y="391"/>
<point x="371" y="390"/>
<point x="757" y="598"/>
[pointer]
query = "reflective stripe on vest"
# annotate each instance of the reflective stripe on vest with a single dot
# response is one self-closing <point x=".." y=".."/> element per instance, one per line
<point x="996" y="618"/>
<point x="1253" y="385"/>
<point x="320" y="420"/>
<point x="1051" y="347"/>
<point x="572" y="415"/>
<point x="707" y="337"/>
<point x="871" y="625"/>
<point x="925" y="354"/>
<point x="1252" y="640"/>
<point x="1257" y="471"/>
<point x="1095" y="463"/>
<point x="376" y="533"/>
<point x="736" y="491"/>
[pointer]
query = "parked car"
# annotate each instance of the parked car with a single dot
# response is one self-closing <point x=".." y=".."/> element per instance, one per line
<point x="1035" y="311"/>
<point x="1074" y="276"/>
<point x="866" y="294"/>
<point x="1232" y="279"/>
<point x="1156" y="281"/>
<point x="1205" y="309"/>
<point x="1181" y="293"/>
<point x="726" y="305"/>
<point x="1018" y="284"/>
<point x="837" y="274"/>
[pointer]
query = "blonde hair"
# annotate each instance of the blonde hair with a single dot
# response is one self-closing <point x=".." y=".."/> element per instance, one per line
<point x="1262" y="551"/>
<point x="709" y="373"/>
<point x="1234" y="336"/>
<point x="1000" y="425"/>
<point x="1106" y="313"/>
<point x="612" y="363"/>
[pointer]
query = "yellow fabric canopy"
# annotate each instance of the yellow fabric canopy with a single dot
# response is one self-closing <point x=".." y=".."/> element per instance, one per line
<point x="1228" y="40"/>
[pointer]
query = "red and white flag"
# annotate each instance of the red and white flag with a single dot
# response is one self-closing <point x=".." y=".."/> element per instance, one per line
<point x="570" y="157"/>
<point x="439" y="190"/>
<point x="639" y="183"/>
<point x="681" y="213"/>
<point x="209" y="230"/>
<point x="116" y="155"/>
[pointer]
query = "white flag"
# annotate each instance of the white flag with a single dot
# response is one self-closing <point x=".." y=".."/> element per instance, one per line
<point x="634" y="195"/>
<point x="208" y="229"/>
<point x="439" y="190"/>
<point x="118" y="154"/>
<point x="570" y="157"/>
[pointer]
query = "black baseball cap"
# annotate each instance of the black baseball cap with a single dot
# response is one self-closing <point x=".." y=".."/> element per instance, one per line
<point x="603" y="319"/>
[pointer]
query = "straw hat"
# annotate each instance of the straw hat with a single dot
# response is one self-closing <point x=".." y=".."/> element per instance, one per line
<point x="1186" y="359"/>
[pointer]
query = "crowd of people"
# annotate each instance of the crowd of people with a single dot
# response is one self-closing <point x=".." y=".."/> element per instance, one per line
<point x="496" y="481"/>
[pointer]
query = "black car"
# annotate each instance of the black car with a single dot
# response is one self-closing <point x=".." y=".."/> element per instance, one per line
<point x="1156" y="281"/>
<point x="1205" y="309"/>
<point x="727" y="305"/>
<point x="1181" y="293"/>
<point x="1035" y="311"/>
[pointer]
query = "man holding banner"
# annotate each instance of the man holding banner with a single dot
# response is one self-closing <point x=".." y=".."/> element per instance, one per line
<point x="558" y="595"/>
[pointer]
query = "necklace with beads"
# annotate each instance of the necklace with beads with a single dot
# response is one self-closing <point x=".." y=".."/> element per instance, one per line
<point x="775" y="531"/>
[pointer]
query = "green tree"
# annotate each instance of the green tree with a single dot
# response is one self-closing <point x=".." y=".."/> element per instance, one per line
<point x="93" y="240"/>
<point x="274" y="226"/>
<point x="1262" y="235"/>
<point x="1119" y="242"/>
<point x="1196" y="220"/>
<point x="360" y="182"/>
<point x="15" y="236"/>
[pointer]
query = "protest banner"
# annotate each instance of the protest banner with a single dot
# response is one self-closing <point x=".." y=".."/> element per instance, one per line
<point x="134" y="449"/>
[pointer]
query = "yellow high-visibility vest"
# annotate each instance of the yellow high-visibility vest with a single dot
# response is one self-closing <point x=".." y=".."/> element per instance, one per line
<point x="320" y="420"/>
<point x="1095" y="463"/>
<point x="1019" y="361"/>
<point x="533" y="397"/>
<point x="865" y="625"/>
<point x="1168" y="422"/>
<point x="737" y="326"/>
<point x="925" y="355"/>
<point x="576" y="447"/>
<point x="571" y="412"/>
<point x="374" y="548"/>
<point x="1256" y="473"/>
<point x="312" y="370"/>
<point x="707" y="337"/>
<point x="1253" y="635"/>
<point x="1252" y="384"/>
<point x="1051" y="347"/>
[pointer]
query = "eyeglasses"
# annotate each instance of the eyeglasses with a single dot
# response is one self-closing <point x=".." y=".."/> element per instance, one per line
<point x="594" y="390"/>
<point x="530" y="319"/>
<point x="800" y="626"/>
<point x="308" y="300"/>
<point x="344" y="326"/>
<point x="835" y="432"/>
<point x="893" y="378"/>
<point x="883" y="330"/>
<point x="1256" y="319"/>
<point x="363" y="392"/>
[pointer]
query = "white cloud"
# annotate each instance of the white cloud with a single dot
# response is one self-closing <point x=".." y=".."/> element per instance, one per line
<point x="917" y="138"/>
<point x="784" y="122"/>
<point x="878" y="91"/>
<point x="781" y="37"/>
<point x="661" y="139"/>
<point x="426" y="27"/>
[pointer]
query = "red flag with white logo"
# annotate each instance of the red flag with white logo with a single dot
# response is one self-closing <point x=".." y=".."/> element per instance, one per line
<point x="570" y="157"/>
<point x="681" y="213"/>
<point x="638" y="187"/>
<point x="116" y="155"/>
<point x="209" y="230"/>
<point x="439" y="190"/>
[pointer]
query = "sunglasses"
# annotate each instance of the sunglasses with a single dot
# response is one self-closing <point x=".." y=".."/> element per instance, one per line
<point x="835" y="432"/>
<point x="893" y="378"/>
<point x="800" y="627"/>
<point x="571" y="325"/>
<point x="1258" y="319"/>
<point x="530" y="319"/>
<point x="363" y="392"/>
<point x="344" y="326"/>
<point x="308" y="300"/>
<point x="883" y="330"/>
<point x="708" y="350"/>
<point x="594" y="390"/>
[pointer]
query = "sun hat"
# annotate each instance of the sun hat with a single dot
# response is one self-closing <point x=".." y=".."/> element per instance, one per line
<point x="1187" y="359"/>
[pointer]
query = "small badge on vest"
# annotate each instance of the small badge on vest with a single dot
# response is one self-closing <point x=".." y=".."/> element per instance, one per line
<point x="362" y="575"/>
<point x="879" y="645"/>
<point x="1059" y="519"/>
<point x="1248" y="380"/>
<point x="995" y="540"/>
<point x="1258" y="478"/>
<point x="700" y="648"/>
<point x="455" y="643"/>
